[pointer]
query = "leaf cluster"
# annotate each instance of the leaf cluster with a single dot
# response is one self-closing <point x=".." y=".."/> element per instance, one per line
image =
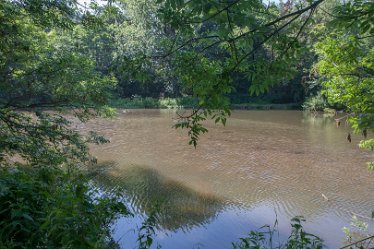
<point x="51" y="208"/>
<point x="265" y="238"/>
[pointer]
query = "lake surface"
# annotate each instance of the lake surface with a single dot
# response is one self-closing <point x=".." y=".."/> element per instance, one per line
<point x="263" y="166"/>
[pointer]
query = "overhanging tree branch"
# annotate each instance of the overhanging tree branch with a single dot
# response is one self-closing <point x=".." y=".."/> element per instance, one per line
<point x="297" y="13"/>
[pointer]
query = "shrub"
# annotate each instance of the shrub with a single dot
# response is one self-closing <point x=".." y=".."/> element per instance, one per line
<point x="50" y="208"/>
<point x="315" y="103"/>
<point x="263" y="239"/>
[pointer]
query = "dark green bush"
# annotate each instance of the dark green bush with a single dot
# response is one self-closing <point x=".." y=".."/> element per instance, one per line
<point x="50" y="208"/>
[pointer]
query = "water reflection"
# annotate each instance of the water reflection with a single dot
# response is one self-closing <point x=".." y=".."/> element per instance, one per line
<point x="178" y="207"/>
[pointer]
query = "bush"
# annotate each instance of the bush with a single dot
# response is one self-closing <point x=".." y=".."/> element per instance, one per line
<point x="50" y="208"/>
<point x="188" y="101"/>
<point x="148" y="102"/>
<point x="315" y="103"/>
<point x="168" y="102"/>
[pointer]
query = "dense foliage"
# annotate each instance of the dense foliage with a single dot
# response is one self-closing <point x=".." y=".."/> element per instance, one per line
<point x="223" y="43"/>
<point x="346" y="65"/>
<point x="45" y="200"/>
<point x="50" y="208"/>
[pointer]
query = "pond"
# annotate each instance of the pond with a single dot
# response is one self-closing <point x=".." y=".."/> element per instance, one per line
<point x="262" y="166"/>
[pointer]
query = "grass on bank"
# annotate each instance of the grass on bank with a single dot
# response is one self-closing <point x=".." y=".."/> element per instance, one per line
<point x="190" y="102"/>
<point x="148" y="102"/>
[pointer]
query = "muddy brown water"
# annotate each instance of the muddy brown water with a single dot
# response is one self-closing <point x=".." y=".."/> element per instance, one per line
<point x="263" y="166"/>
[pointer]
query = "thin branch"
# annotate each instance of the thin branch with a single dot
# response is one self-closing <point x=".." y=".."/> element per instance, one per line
<point x="232" y="45"/>
<point x="345" y="116"/>
<point x="269" y="24"/>
<point x="194" y="112"/>
<point x="328" y="13"/>
<point x="297" y="13"/>
<point x="298" y="33"/>
<point x="261" y="43"/>
<point x="365" y="37"/>
<point x="190" y="41"/>
<point x="215" y="14"/>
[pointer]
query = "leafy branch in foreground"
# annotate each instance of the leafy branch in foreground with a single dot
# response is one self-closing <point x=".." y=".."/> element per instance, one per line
<point x="147" y="231"/>
<point x="218" y="43"/>
<point x="46" y="200"/>
<point x="193" y="122"/>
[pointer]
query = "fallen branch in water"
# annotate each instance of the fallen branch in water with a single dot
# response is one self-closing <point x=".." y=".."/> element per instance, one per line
<point x="337" y="120"/>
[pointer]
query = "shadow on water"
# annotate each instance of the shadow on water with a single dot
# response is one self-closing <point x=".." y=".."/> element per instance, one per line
<point x="239" y="176"/>
<point x="178" y="207"/>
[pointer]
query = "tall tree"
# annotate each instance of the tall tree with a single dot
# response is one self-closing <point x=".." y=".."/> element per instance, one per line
<point x="346" y="64"/>
<point x="45" y="201"/>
